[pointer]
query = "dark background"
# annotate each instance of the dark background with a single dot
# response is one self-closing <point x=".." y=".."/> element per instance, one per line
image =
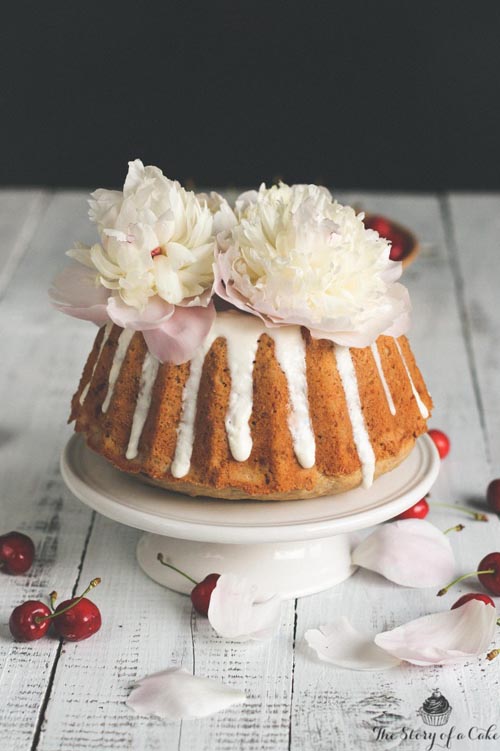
<point x="390" y="95"/>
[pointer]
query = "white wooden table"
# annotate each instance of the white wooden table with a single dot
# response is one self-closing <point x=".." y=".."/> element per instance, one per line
<point x="70" y="697"/>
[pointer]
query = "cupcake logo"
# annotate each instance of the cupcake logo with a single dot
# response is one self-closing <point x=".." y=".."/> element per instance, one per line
<point x="435" y="710"/>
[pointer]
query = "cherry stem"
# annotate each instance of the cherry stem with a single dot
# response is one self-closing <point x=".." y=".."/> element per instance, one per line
<point x="456" y="528"/>
<point x="477" y="515"/>
<point x="41" y="618"/>
<point x="174" y="568"/>
<point x="461" y="578"/>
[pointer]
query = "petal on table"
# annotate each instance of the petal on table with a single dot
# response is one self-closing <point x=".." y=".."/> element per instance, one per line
<point x="175" y="694"/>
<point x="342" y="645"/>
<point x="410" y="552"/>
<point x="237" y="612"/>
<point x="443" y="638"/>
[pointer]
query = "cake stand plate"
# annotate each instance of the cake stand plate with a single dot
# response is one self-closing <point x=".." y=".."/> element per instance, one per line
<point x="292" y="548"/>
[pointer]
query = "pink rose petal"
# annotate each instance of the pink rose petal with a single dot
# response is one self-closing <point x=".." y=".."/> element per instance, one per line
<point x="177" y="339"/>
<point x="411" y="552"/>
<point x="342" y="645"/>
<point x="77" y="292"/>
<point x="442" y="638"/>
<point x="175" y="694"/>
<point x="237" y="612"/>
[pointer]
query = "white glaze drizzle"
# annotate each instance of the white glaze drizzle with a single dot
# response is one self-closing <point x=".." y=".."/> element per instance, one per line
<point x="185" y="430"/>
<point x="364" y="448"/>
<point x="290" y="352"/>
<point x="242" y="342"/>
<point x="387" y="391"/>
<point x="241" y="352"/>
<point x="119" y="356"/>
<point x="105" y="336"/>
<point x="423" y="409"/>
<point x="148" y="377"/>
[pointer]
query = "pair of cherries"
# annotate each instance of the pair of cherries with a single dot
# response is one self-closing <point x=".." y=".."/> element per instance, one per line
<point x="73" y="620"/>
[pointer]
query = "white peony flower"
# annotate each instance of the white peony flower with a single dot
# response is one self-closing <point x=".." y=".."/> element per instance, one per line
<point x="156" y="239"/>
<point x="153" y="269"/>
<point x="296" y="256"/>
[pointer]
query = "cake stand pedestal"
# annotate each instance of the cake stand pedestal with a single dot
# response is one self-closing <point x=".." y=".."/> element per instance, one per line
<point x="291" y="548"/>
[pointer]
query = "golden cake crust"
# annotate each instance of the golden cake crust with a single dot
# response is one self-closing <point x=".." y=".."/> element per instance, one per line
<point x="272" y="471"/>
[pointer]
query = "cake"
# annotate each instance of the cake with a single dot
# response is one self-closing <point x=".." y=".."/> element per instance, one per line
<point x="256" y="352"/>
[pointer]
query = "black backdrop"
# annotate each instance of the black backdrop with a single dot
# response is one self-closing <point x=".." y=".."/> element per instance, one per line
<point x="374" y="94"/>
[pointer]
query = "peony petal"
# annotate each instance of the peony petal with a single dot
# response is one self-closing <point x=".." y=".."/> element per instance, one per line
<point x="411" y="552"/>
<point x="76" y="291"/>
<point x="175" y="694"/>
<point x="224" y="216"/>
<point x="341" y="644"/>
<point x="236" y="611"/>
<point x="156" y="313"/>
<point x="177" y="339"/>
<point x="442" y="638"/>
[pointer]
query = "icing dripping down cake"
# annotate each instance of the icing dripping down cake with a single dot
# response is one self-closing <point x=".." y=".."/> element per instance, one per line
<point x="254" y="351"/>
<point x="258" y="413"/>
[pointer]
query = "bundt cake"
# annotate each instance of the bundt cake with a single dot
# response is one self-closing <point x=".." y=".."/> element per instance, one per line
<point x="247" y="352"/>
<point x="258" y="413"/>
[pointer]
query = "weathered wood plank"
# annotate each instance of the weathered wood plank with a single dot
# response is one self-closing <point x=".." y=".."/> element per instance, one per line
<point x="475" y="244"/>
<point x="40" y="365"/>
<point x="20" y="214"/>
<point x="339" y="709"/>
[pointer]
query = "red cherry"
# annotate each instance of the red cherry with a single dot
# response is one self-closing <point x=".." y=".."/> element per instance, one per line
<point x="24" y="621"/>
<point x="472" y="596"/>
<point x="418" y="511"/>
<point x="80" y="621"/>
<point x="400" y="241"/>
<point x="488" y="574"/>
<point x="201" y="594"/>
<point x="398" y="245"/>
<point x="493" y="496"/>
<point x="380" y="224"/>
<point x="16" y="552"/>
<point x="441" y="441"/>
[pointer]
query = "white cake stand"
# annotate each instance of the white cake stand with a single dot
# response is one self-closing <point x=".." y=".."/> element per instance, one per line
<point x="293" y="548"/>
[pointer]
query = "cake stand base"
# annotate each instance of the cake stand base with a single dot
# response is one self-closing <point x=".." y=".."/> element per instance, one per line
<point x="290" y="548"/>
<point x="293" y="569"/>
